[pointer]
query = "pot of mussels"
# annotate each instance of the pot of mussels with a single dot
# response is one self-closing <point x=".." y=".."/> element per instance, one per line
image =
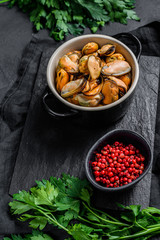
<point x="92" y="76"/>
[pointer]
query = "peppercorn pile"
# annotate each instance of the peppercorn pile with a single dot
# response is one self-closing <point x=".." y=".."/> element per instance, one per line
<point x="117" y="165"/>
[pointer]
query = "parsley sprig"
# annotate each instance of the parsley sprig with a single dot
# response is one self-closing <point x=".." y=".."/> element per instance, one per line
<point x="60" y="202"/>
<point x="36" y="235"/>
<point x="62" y="17"/>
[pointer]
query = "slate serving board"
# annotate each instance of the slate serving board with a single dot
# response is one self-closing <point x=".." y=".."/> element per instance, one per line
<point x="50" y="147"/>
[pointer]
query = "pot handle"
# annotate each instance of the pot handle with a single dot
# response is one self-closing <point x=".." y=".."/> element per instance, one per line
<point x="66" y="111"/>
<point x="135" y="40"/>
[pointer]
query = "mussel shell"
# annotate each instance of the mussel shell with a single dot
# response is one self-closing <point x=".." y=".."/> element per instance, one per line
<point x="73" y="87"/>
<point x="121" y="94"/>
<point x="116" y="68"/>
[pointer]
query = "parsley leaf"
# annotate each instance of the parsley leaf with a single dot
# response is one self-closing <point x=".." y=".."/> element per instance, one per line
<point x="61" y="201"/>
<point x="66" y="16"/>
<point x="36" y="235"/>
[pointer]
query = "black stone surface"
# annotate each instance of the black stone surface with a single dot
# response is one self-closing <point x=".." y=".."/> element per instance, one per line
<point x="51" y="147"/>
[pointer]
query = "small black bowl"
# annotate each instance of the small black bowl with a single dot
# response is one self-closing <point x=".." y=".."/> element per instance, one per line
<point x="126" y="137"/>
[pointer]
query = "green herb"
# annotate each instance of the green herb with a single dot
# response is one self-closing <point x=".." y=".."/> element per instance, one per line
<point x="36" y="235"/>
<point x="59" y="201"/>
<point x="72" y="16"/>
<point x="3" y="1"/>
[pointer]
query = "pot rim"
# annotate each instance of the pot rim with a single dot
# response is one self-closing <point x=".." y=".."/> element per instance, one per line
<point x="82" y="108"/>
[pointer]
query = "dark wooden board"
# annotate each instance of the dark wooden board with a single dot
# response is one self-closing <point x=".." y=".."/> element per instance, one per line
<point x="50" y="147"/>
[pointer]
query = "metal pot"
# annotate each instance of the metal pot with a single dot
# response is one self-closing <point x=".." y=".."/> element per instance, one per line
<point x="60" y="108"/>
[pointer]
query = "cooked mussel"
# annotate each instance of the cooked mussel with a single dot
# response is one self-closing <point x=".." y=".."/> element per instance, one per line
<point x="106" y="50"/>
<point x="83" y="65"/>
<point x="72" y="99"/>
<point x="89" y="48"/>
<point x="93" y="77"/>
<point x="89" y="101"/>
<point x="79" y="53"/>
<point x="68" y="65"/>
<point x="94" y="83"/>
<point x="73" y="87"/>
<point x="126" y="79"/>
<point x="61" y="79"/>
<point x="110" y="92"/>
<point x="115" y="56"/>
<point x="58" y="68"/>
<point x="87" y="87"/>
<point x="116" y="68"/>
<point x="74" y="57"/>
<point x="94" y="91"/>
<point x="94" y="66"/>
<point x="121" y="85"/>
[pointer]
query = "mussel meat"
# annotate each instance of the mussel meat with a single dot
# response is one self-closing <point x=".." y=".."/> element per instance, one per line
<point x="79" y="53"/>
<point x="126" y="79"/>
<point x="110" y="92"/>
<point x="89" y="48"/>
<point x="73" y="99"/>
<point x="87" y="87"/>
<point x="95" y="90"/>
<point x="74" y="57"/>
<point x="93" y="77"/>
<point x="68" y="65"/>
<point x="94" y="54"/>
<point x="61" y="79"/>
<point x="115" y="56"/>
<point x="122" y="86"/>
<point x="73" y="87"/>
<point x="107" y="50"/>
<point x="83" y="65"/>
<point x="94" y="67"/>
<point x="89" y="101"/>
<point x="94" y="83"/>
<point x="116" y="68"/>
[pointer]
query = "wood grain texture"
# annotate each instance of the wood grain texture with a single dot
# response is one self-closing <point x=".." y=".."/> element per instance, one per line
<point x="49" y="147"/>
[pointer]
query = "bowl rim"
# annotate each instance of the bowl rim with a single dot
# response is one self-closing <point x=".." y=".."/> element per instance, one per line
<point x="124" y="187"/>
<point x="82" y="108"/>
